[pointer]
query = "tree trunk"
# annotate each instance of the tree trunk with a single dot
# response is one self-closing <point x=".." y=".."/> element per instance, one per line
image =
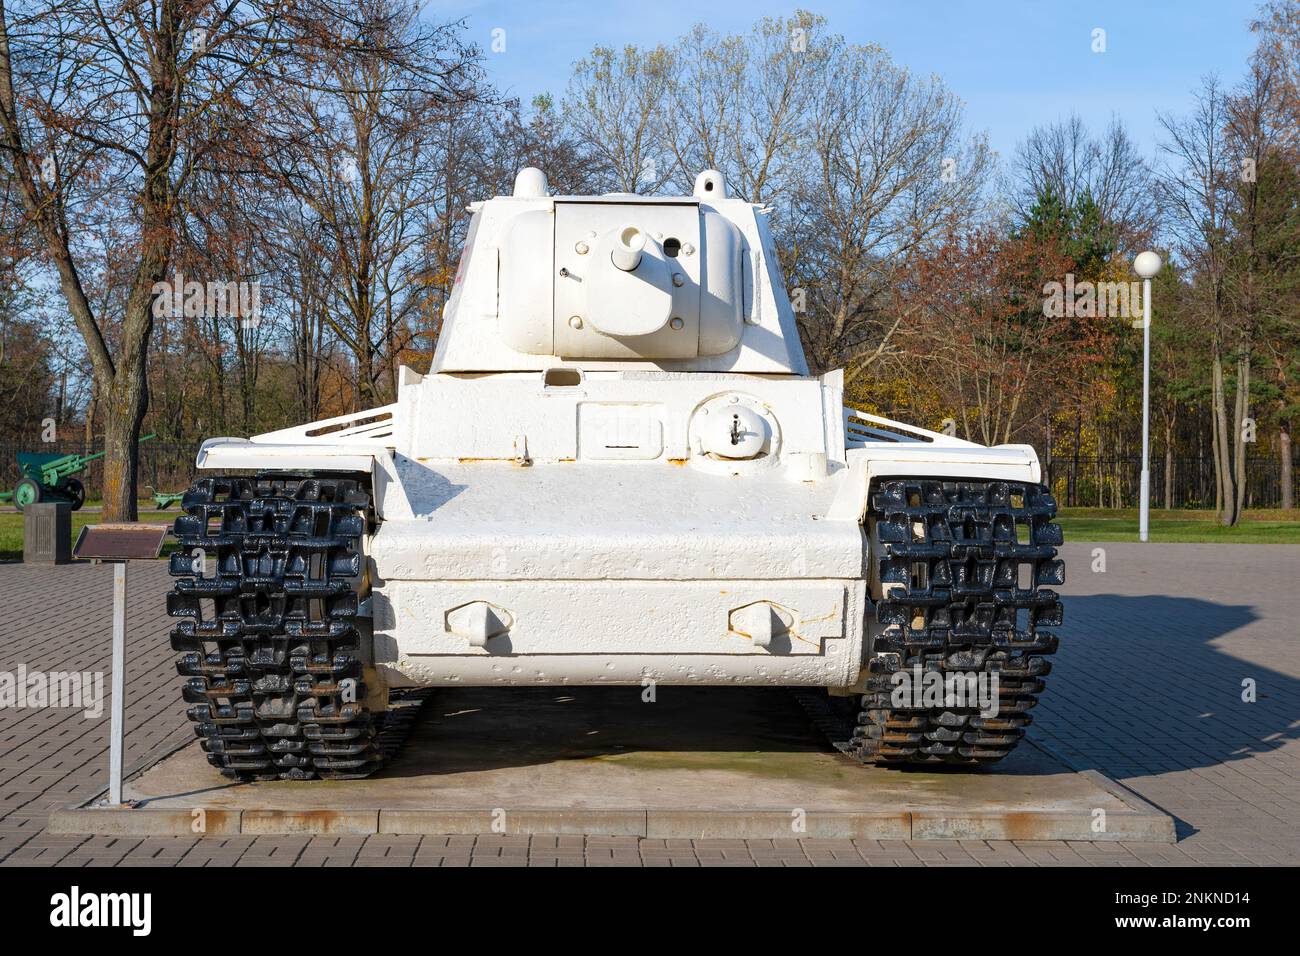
<point x="1074" y="470"/>
<point x="89" y="433"/>
<point x="1284" y="454"/>
<point x="1169" y="463"/>
<point x="365" y="376"/>
<point x="1242" y="410"/>
<point x="1214" y="455"/>
<point x="1120" y="483"/>
<point x="1047" y="457"/>
<point x="1101" y="484"/>
<point x="126" y="400"/>
<point x="1226" y="492"/>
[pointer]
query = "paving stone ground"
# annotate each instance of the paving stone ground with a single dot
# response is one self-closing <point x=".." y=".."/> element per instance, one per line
<point x="1158" y="651"/>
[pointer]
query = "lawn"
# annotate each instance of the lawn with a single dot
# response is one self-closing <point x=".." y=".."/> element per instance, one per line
<point x="1195" y="527"/>
<point x="11" y="527"/>
<point x="1080" y="524"/>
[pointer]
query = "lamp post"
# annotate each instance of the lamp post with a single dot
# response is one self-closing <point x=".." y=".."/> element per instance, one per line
<point x="1147" y="264"/>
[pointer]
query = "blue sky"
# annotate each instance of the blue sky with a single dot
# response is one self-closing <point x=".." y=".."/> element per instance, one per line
<point x="1016" y="63"/>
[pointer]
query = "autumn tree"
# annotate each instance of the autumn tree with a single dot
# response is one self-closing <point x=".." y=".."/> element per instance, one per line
<point x="106" y="110"/>
<point x="980" y="333"/>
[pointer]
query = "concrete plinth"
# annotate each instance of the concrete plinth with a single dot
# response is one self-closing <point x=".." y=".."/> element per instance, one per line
<point x="698" y="762"/>
<point x="47" y="533"/>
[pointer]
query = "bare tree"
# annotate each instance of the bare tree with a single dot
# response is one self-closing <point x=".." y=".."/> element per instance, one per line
<point x="736" y="104"/>
<point x="107" y="109"/>
<point x="1196" y="188"/>
<point x="514" y="138"/>
<point x="365" y="153"/>
<point x="889" y="172"/>
<point x="615" y="103"/>
<point x="303" y="291"/>
<point x="863" y="162"/>
<point x="1064" y="160"/>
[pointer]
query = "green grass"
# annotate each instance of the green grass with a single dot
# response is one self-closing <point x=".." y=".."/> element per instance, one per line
<point x="1184" y="527"/>
<point x="1080" y="524"/>
<point x="11" y="528"/>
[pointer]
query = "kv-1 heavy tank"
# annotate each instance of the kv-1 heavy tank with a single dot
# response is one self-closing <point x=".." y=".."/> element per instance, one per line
<point x="618" y="470"/>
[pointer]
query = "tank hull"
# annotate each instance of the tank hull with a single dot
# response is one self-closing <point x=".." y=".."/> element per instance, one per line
<point x="527" y="532"/>
<point x="621" y="632"/>
<point x="615" y="572"/>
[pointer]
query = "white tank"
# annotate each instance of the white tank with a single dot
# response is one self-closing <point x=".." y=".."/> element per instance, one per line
<point x="618" y="470"/>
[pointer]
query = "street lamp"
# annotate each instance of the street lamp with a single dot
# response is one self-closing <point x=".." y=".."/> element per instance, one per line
<point x="1147" y="264"/>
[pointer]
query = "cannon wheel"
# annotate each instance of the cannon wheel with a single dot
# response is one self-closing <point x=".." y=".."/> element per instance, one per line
<point x="77" y="492"/>
<point x="27" y="492"/>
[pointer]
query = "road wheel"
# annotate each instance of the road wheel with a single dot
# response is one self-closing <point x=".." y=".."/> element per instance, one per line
<point x="27" y="492"/>
<point x="77" y="492"/>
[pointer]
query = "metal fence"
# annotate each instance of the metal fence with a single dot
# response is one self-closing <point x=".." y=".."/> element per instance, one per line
<point x="164" y="466"/>
<point x="1115" y="482"/>
<point x="1077" y="483"/>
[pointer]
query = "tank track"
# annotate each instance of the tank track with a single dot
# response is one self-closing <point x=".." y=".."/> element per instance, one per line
<point x="953" y="599"/>
<point x="268" y="639"/>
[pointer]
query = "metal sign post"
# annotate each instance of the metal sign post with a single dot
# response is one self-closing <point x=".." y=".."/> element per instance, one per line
<point x="115" y="732"/>
<point x="119" y="543"/>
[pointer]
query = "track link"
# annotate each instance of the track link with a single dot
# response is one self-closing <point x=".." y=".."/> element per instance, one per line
<point x="958" y="580"/>
<point x="268" y="637"/>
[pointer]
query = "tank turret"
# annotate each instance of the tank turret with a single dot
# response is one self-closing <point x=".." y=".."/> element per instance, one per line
<point x="687" y="283"/>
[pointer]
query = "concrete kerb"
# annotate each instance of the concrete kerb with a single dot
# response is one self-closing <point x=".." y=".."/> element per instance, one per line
<point x="1141" y="824"/>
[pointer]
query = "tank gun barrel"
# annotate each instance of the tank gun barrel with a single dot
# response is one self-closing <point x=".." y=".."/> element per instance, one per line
<point x="628" y="248"/>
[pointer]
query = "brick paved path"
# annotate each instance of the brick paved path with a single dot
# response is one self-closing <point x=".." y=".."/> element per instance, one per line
<point x="1147" y="688"/>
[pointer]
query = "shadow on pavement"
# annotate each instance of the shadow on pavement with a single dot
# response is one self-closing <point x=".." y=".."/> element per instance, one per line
<point x="1139" y="687"/>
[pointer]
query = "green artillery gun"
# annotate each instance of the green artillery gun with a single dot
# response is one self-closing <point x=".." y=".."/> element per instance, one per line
<point x="51" y="478"/>
<point x="165" y="499"/>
